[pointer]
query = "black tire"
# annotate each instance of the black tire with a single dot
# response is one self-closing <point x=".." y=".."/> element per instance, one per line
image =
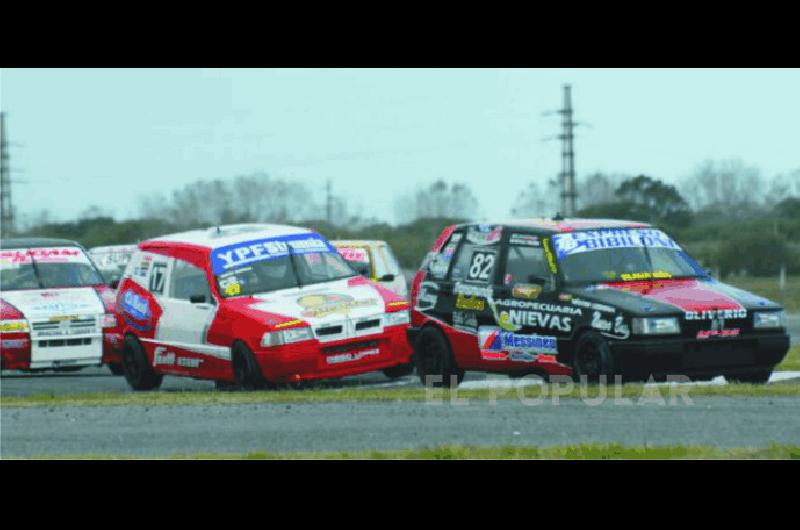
<point x="246" y="372"/>
<point x="116" y="368"/>
<point x="593" y="359"/>
<point x="434" y="357"/>
<point x="138" y="372"/>
<point x="758" y="377"/>
<point x="401" y="370"/>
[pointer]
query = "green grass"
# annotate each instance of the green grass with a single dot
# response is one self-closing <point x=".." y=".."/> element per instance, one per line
<point x="633" y="391"/>
<point x="789" y="298"/>
<point x="458" y="452"/>
<point x="792" y="360"/>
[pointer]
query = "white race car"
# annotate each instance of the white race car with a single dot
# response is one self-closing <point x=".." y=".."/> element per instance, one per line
<point x="111" y="260"/>
<point x="56" y="311"/>
<point x="374" y="260"/>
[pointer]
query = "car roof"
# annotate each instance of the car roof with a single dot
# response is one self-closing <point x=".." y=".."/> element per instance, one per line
<point x="357" y="242"/>
<point x="112" y="247"/>
<point x="223" y="235"/>
<point x="565" y="225"/>
<point x="37" y="242"/>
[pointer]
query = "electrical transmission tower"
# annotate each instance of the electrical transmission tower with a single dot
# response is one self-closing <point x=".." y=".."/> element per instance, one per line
<point x="569" y="194"/>
<point x="6" y="208"/>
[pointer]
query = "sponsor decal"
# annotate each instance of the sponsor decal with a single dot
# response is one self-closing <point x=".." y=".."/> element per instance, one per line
<point x="565" y="297"/>
<point x="322" y="305"/>
<point x="162" y="356"/>
<point x="501" y="345"/>
<point x="353" y="253"/>
<point x="484" y="234"/>
<point x="621" y="329"/>
<point x="472" y="303"/>
<point x="655" y="275"/>
<point x="472" y="290"/>
<point x="239" y="254"/>
<point x="481" y="266"/>
<point x="710" y="314"/>
<point x="514" y="319"/>
<point x="570" y="243"/>
<point x="529" y="291"/>
<point x="524" y="240"/>
<point x="43" y="255"/>
<point x="733" y="332"/>
<point x="592" y="305"/>
<point x="465" y="321"/>
<point x="397" y="304"/>
<point x="551" y="261"/>
<point x="538" y="306"/>
<point x="289" y="323"/>
<point x="136" y="311"/>
<point x="189" y="362"/>
<point x="347" y="357"/>
<point x="426" y="296"/>
<point x="598" y="322"/>
<point x="14" y="343"/>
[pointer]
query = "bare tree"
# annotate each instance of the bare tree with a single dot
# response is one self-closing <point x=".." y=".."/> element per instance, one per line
<point x="437" y="200"/>
<point x="726" y="182"/>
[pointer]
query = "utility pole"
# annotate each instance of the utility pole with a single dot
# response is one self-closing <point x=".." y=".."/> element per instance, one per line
<point x="6" y="207"/>
<point x="569" y="194"/>
<point x="328" y="202"/>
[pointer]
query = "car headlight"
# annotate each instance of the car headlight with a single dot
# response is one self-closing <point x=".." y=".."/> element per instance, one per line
<point x="397" y="318"/>
<point x="768" y="319"/>
<point x="656" y="326"/>
<point x="286" y="336"/>
<point x="14" y="326"/>
<point x="108" y="320"/>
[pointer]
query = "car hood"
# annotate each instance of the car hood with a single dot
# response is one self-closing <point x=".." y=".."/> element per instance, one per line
<point x="47" y="303"/>
<point x="317" y="304"/>
<point x="698" y="297"/>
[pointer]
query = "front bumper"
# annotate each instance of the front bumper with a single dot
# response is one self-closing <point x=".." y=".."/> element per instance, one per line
<point x="709" y="357"/>
<point x="312" y="360"/>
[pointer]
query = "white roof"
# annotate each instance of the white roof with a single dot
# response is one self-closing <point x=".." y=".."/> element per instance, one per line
<point x="357" y="242"/>
<point x="220" y="236"/>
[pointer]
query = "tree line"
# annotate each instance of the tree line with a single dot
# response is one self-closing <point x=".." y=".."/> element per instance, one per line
<point x="729" y="216"/>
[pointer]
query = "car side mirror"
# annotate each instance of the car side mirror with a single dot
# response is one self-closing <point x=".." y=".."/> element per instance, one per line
<point x="198" y="299"/>
<point x="114" y="284"/>
<point x="387" y="278"/>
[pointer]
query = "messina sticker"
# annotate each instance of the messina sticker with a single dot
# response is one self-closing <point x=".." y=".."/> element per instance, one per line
<point x="570" y="243"/>
<point x="353" y="253"/>
<point x="246" y="252"/>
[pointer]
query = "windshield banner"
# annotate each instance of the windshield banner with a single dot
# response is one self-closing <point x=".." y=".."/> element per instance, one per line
<point x="354" y="254"/>
<point x="16" y="257"/>
<point x="571" y="243"/>
<point x="232" y="256"/>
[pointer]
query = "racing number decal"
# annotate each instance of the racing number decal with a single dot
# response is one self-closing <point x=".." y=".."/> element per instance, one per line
<point x="481" y="266"/>
<point x="157" y="276"/>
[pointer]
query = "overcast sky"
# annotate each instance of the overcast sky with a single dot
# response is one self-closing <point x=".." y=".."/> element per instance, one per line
<point x="106" y="137"/>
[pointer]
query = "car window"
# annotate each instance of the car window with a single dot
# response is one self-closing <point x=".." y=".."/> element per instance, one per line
<point x="438" y="263"/>
<point x="187" y="281"/>
<point x="524" y="263"/>
<point x="358" y="257"/>
<point x="50" y="267"/>
<point x="391" y="259"/>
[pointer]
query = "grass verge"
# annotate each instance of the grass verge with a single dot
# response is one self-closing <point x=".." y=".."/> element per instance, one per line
<point x="545" y="392"/>
<point x="459" y="452"/>
<point x="792" y="360"/>
<point x="768" y="287"/>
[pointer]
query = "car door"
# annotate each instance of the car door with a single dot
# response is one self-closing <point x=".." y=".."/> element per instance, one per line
<point x="188" y="311"/>
<point x="435" y="295"/>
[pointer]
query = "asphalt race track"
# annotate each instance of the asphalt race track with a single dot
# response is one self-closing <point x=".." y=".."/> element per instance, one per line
<point x="351" y="426"/>
<point x="169" y="430"/>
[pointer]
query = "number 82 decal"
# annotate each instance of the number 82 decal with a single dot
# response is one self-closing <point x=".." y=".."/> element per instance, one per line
<point x="481" y="266"/>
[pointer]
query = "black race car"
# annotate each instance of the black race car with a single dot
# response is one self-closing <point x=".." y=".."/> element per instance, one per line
<point x="589" y="298"/>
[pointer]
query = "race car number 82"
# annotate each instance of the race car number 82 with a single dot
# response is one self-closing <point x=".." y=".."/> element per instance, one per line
<point x="481" y="266"/>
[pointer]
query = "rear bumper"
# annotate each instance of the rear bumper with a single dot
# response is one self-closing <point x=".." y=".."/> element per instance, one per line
<point x="314" y="360"/>
<point x="668" y="356"/>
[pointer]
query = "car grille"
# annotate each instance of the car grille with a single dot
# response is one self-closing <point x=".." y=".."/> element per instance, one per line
<point x="74" y="326"/>
<point x="341" y="348"/>
<point x="56" y="343"/>
<point x="349" y="328"/>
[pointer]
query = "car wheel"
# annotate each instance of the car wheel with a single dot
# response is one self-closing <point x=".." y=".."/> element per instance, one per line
<point x="138" y="372"/>
<point x="758" y="377"/>
<point x="116" y="368"/>
<point x="246" y="371"/>
<point x="401" y="370"/>
<point x="593" y="358"/>
<point x="435" y="358"/>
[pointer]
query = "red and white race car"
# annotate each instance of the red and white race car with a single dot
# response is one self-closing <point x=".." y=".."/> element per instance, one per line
<point x="56" y="312"/>
<point x="254" y="305"/>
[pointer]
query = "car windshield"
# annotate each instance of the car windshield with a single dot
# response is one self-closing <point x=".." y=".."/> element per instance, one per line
<point x="358" y="257"/>
<point x="44" y="268"/>
<point x="595" y="256"/>
<point x="283" y="273"/>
